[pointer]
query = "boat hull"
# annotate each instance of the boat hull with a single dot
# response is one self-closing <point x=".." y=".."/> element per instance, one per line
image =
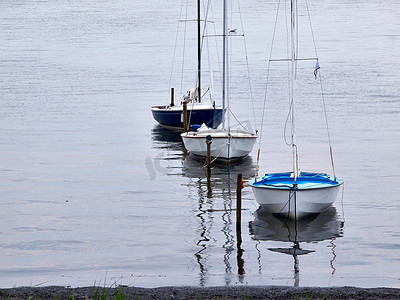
<point x="313" y="194"/>
<point x="197" y="114"/>
<point x="228" y="146"/>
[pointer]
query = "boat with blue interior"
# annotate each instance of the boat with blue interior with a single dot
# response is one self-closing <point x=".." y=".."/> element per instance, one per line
<point x="296" y="194"/>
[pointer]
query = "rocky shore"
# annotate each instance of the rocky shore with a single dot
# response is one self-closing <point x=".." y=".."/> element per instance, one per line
<point x="239" y="292"/>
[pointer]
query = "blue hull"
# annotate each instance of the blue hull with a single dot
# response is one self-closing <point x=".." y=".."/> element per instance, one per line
<point x="173" y="118"/>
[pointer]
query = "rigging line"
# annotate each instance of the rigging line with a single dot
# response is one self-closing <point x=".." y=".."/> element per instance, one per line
<point x="229" y="62"/>
<point x="266" y="86"/>
<point x="286" y="122"/>
<point x="240" y="123"/>
<point x="227" y="65"/>
<point x="327" y="125"/>
<point x="176" y="43"/>
<point x="322" y="93"/>
<point x="288" y="81"/>
<point x="312" y="30"/>
<point x="206" y="11"/>
<point x="248" y="68"/>
<point x="216" y="40"/>
<point x="184" y="47"/>
<point x="297" y="34"/>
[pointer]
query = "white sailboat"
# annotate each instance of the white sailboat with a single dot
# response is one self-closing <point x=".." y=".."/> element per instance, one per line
<point x="226" y="144"/>
<point x="296" y="194"/>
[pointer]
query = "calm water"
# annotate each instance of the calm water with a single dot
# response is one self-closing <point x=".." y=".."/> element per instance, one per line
<point x="92" y="190"/>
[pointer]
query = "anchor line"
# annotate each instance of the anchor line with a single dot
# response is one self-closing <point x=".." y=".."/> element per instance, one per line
<point x="343" y="203"/>
<point x="292" y="193"/>
<point x="227" y="144"/>
<point x="287" y="202"/>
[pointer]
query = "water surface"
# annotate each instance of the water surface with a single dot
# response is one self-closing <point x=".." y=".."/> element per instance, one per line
<point x="93" y="190"/>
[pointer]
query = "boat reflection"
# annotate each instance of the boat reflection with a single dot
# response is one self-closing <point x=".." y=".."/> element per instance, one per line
<point x="194" y="167"/>
<point x="215" y="208"/>
<point x="166" y="139"/>
<point x="324" y="226"/>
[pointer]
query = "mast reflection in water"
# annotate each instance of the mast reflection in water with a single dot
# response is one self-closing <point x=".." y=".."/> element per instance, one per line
<point x="216" y="196"/>
<point x="321" y="227"/>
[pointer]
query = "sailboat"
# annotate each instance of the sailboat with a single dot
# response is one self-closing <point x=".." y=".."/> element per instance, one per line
<point x="198" y="112"/>
<point x="296" y="194"/>
<point x="226" y="144"/>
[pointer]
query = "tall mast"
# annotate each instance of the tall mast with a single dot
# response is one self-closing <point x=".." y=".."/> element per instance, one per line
<point x="293" y="79"/>
<point x="198" y="52"/>
<point x="224" y="61"/>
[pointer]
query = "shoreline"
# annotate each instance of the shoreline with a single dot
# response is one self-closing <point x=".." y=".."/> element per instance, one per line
<point x="185" y="292"/>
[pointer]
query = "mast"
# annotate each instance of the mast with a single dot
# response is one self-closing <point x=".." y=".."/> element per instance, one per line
<point x="224" y="61"/>
<point x="293" y="80"/>
<point x="198" y="52"/>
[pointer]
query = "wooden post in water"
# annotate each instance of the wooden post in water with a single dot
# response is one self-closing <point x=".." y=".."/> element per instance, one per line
<point x="239" y="203"/>
<point x="185" y="125"/>
<point x="172" y="97"/>
<point x="185" y="122"/>
<point x="240" y="261"/>
<point x="208" y="160"/>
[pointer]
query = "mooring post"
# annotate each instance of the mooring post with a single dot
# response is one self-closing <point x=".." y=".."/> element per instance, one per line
<point x="172" y="97"/>
<point x="185" y="125"/>
<point x="208" y="142"/>
<point x="239" y="187"/>
<point x="185" y="122"/>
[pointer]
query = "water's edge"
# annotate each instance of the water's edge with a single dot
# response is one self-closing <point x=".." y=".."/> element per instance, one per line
<point x="238" y="292"/>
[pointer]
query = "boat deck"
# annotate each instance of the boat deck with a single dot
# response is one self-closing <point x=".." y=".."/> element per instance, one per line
<point x="304" y="182"/>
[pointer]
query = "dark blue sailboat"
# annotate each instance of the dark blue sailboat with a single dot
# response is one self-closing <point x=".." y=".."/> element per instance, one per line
<point x="171" y="116"/>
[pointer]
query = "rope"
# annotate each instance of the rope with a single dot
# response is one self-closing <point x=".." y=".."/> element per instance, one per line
<point x="237" y="120"/>
<point x="227" y="144"/>
<point x="286" y="122"/>
<point x="327" y="125"/>
<point x="312" y="30"/>
<point x="322" y="93"/>
<point x="205" y="33"/>
<point x="343" y="203"/>
<point x="291" y="194"/>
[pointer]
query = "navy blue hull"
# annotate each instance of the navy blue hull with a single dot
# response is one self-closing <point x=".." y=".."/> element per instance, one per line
<point x="211" y="117"/>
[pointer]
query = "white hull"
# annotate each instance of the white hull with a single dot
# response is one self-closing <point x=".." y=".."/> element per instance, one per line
<point x="225" y="145"/>
<point x="312" y="193"/>
<point x="301" y="204"/>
